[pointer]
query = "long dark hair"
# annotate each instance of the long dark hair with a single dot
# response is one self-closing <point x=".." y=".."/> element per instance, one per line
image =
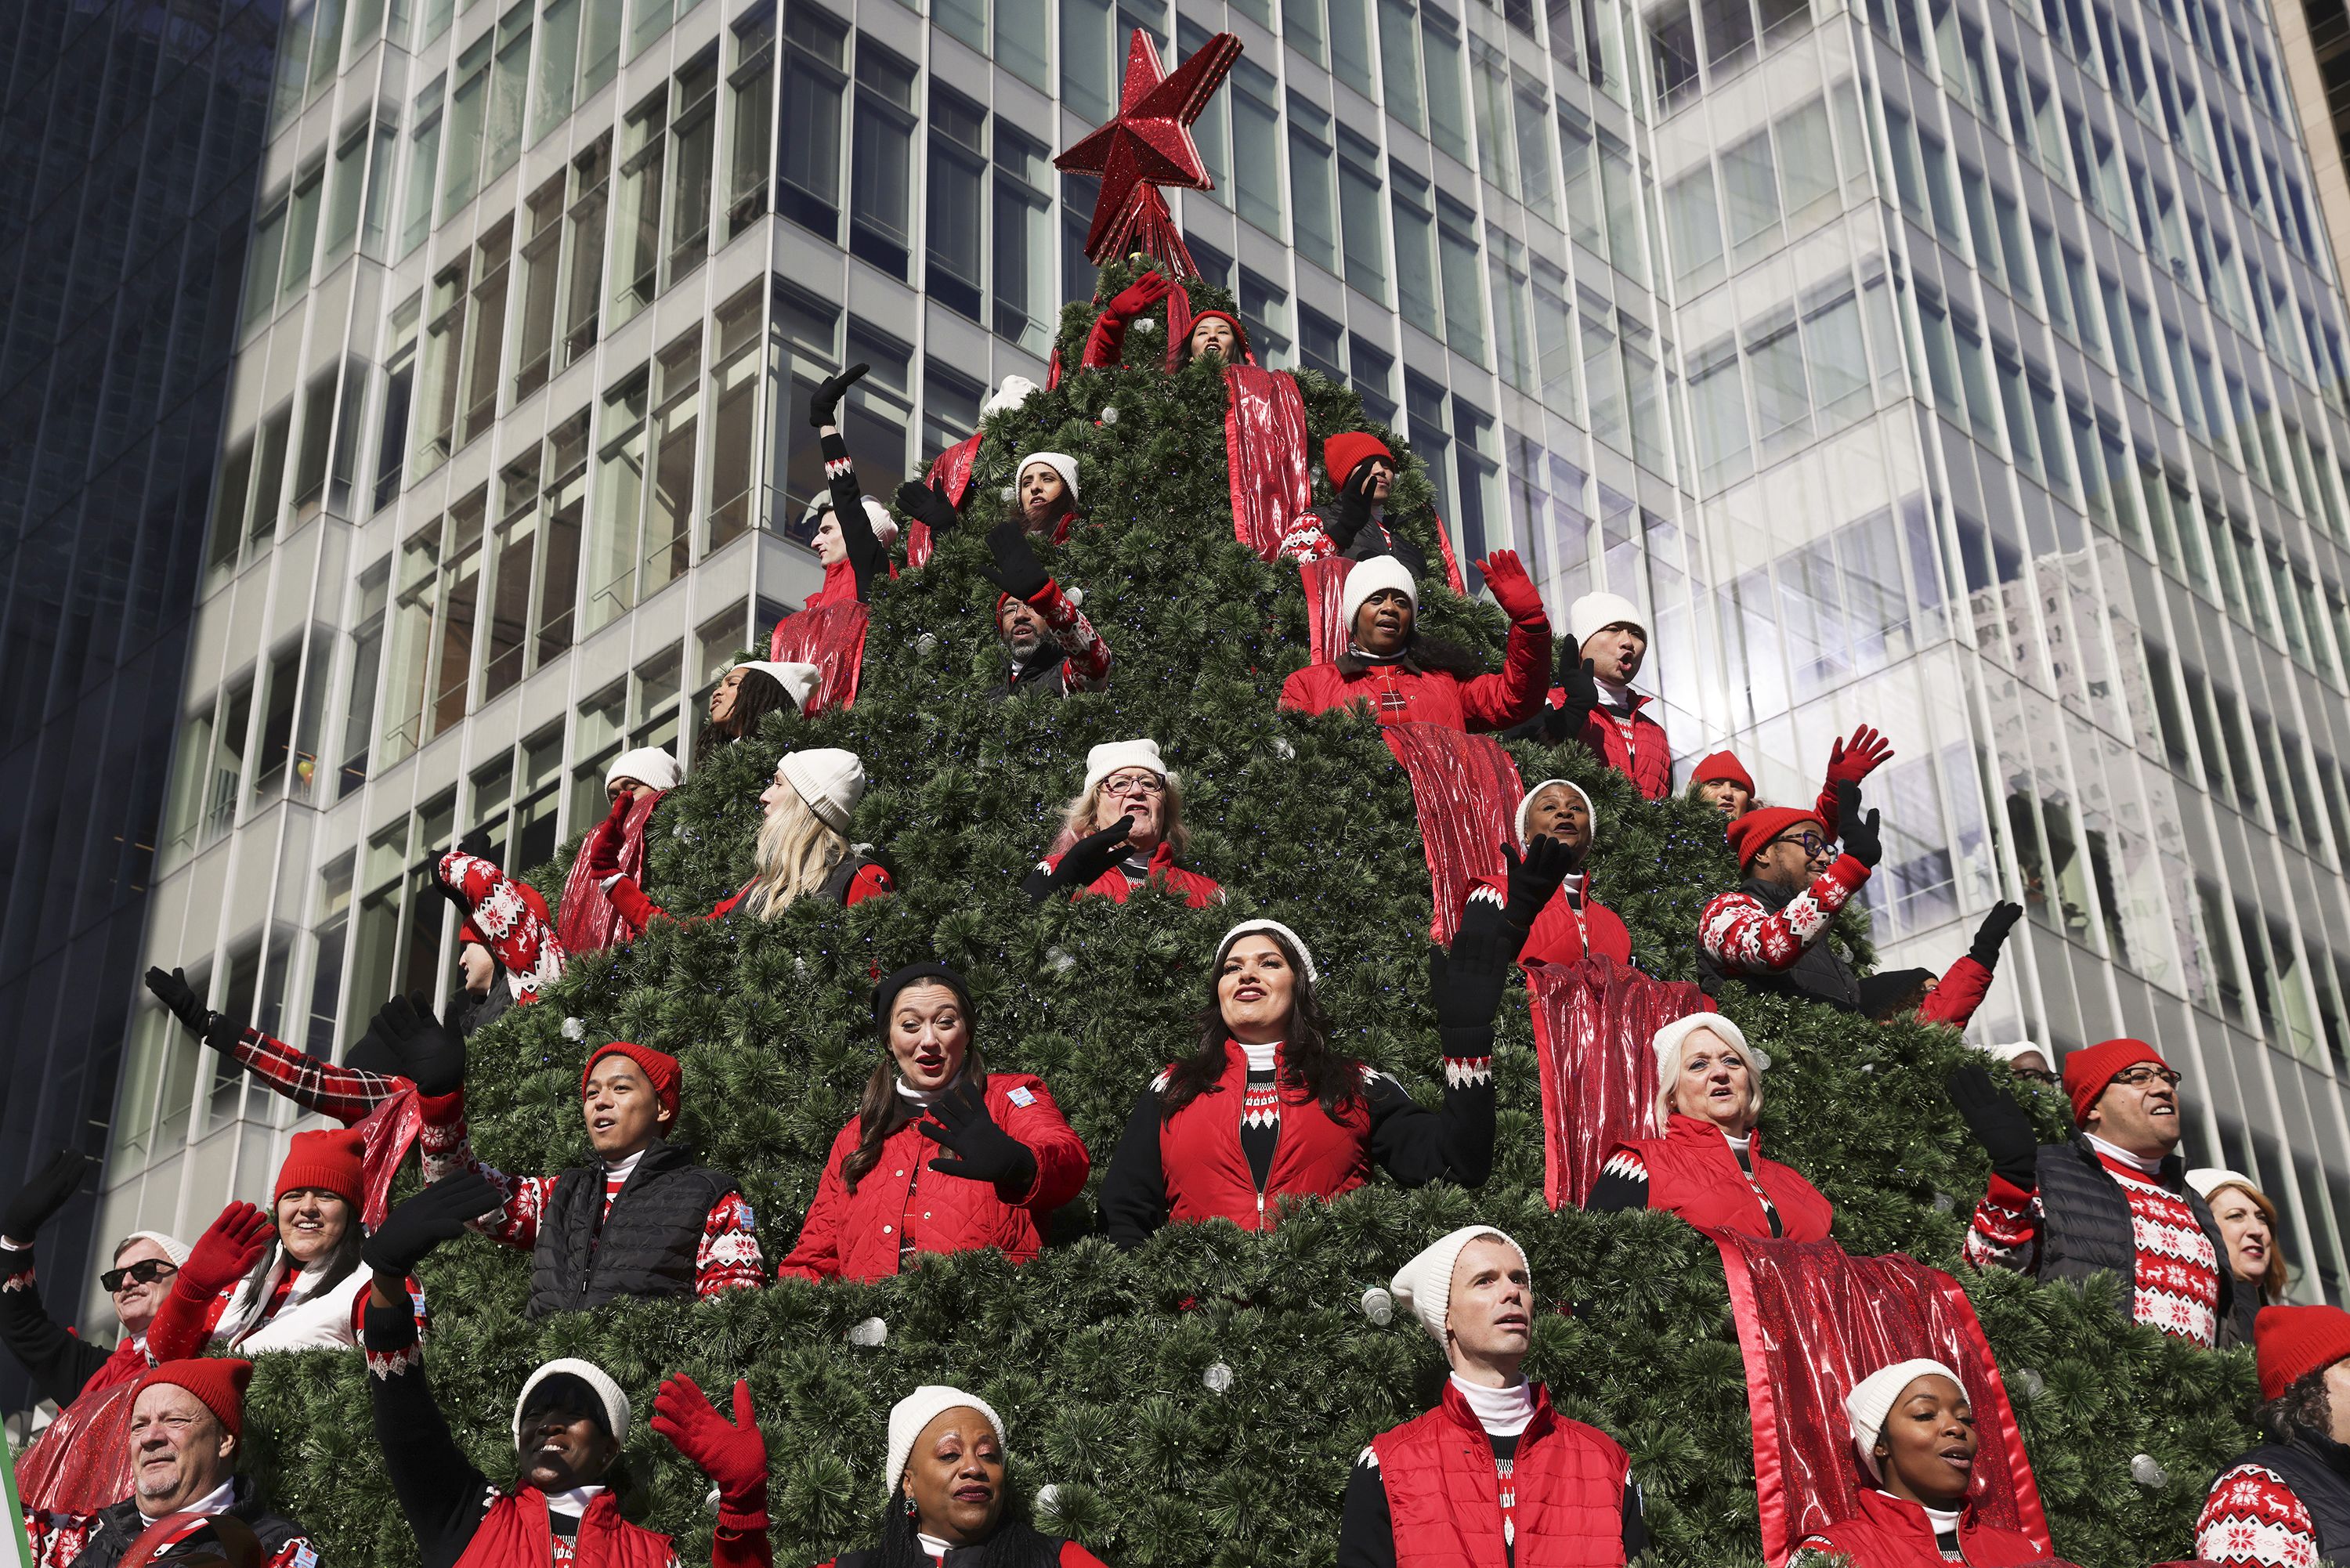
<point x="1016" y="1543"/>
<point x="340" y="1262"/>
<point x="881" y="1110"/>
<point x="756" y="695"/>
<point x="1307" y="1062"/>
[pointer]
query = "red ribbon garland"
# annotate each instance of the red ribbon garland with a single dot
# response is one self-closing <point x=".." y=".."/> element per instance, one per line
<point x="1594" y="1020"/>
<point x="1466" y="789"/>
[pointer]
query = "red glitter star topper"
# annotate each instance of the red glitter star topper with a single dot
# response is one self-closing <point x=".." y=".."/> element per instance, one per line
<point x="1147" y="144"/>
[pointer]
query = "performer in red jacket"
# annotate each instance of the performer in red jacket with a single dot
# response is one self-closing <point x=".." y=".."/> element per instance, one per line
<point x="1400" y="675"/>
<point x="1709" y="1166"/>
<point x="1562" y="920"/>
<point x="1493" y="1475"/>
<point x="1008" y="1156"/>
<point x="1266" y="1109"/>
<point x="1125" y="830"/>
<point x="1594" y="702"/>
<point x="1721" y="781"/>
<point x="1914" y="1437"/>
<point x="1953" y="997"/>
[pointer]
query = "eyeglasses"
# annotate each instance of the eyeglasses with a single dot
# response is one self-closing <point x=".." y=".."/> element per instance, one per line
<point x="2035" y="1074"/>
<point x="1812" y="841"/>
<point x="146" y="1271"/>
<point x="2140" y="1077"/>
<point x="1134" y="784"/>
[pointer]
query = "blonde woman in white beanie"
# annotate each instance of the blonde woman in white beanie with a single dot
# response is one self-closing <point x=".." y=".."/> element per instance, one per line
<point x="1561" y="1493"/>
<point x="945" y="1477"/>
<point x="802" y="846"/>
<point x="1124" y="830"/>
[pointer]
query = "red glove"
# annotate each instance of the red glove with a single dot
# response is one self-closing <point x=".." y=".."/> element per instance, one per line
<point x="1858" y="757"/>
<point x="1513" y="589"/>
<point x="226" y="1252"/>
<point x="732" y="1454"/>
<point x="1139" y="295"/>
<point x="604" y="843"/>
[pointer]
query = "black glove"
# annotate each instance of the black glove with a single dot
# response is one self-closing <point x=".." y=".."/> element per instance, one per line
<point x="1860" y="840"/>
<point x="1579" y="692"/>
<point x="477" y="844"/>
<point x="1353" y="503"/>
<point x="1991" y="935"/>
<point x="1998" y="1124"/>
<point x="435" y="1215"/>
<point x="825" y="401"/>
<point x="1083" y="862"/>
<point x="1533" y="877"/>
<point x="50" y="1190"/>
<point x="927" y="503"/>
<point x="1017" y="571"/>
<point x="215" y="1030"/>
<point x="404" y="1040"/>
<point x="982" y="1150"/>
<point x="1476" y="969"/>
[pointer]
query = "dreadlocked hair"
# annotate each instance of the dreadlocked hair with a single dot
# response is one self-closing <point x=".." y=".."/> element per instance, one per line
<point x="1307" y="1061"/>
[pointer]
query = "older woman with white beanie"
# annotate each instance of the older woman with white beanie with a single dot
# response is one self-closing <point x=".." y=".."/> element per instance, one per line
<point x="1545" y="892"/>
<point x="1123" y="831"/>
<point x="1266" y="1107"/>
<point x="61" y="1364"/>
<point x="1708" y="1168"/>
<point x="803" y="846"/>
<point x="1399" y="676"/>
<point x="1913" y="1437"/>
<point x="948" y="1500"/>
<point x="1561" y="1491"/>
<point x="747" y="693"/>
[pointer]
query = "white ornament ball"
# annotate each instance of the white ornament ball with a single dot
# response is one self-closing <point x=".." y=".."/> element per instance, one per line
<point x="1049" y="1498"/>
<point x="1076" y="596"/>
<point x="1379" y="1306"/>
<point x="1110" y="415"/>
<point x="926" y="645"/>
<point x="865" y="1335"/>
<point x="1942" y="1203"/>
<point x="1062" y="962"/>
<point x="2148" y="1472"/>
<point x="1145" y="324"/>
<point x="1009" y="492"/>
<point x="710" y="1504"/>
<point x="2029" y="1383"/>
<point x="574" y="1029"/>
<point x="1283" y="749"/>
<point x="1218" y="1377"/>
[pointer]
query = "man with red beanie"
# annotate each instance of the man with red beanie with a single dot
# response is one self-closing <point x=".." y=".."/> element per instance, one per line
<point x="2286" y="1504"/>
<point x="2114" y="1200"/>
<point x="187" y="1423"/>
<point x="640" y="1220"/>
<point x="1768" y="931"/>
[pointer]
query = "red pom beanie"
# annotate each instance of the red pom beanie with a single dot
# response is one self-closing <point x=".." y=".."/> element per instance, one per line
<point x="1722" y="766"/>
<point x="1750" y="834"/>
<point x="329" y="1161"/>
<point x="1346" y="451"/>
<point x="2289" y="1342"/>
<point x="2088" y="1071"/>
<point x="659" y="1066"/>
<point x="218" y="1381"/>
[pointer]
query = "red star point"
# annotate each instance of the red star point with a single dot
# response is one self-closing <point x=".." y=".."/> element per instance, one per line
<point x="1147" y="144"/>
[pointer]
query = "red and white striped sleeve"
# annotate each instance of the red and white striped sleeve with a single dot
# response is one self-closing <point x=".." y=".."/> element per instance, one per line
<point x="2252" y="1517"/>
<point x="729" y="1256"/>
<point x="1744" y="938"/>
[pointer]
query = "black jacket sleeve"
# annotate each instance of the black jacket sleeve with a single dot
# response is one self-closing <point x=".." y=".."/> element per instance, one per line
<point x="1366" y="1527"/>
<point x="1636" y="1523"/>
<point x="1134" y="1192"/>
<point x="444" y="1496"/>
<point x="856" y="534"/>
<point x="1418" y="1146"/>
<point x="59" y="1363"/>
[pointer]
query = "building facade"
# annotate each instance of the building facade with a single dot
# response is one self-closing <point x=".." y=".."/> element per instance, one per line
<point x="1969" y="367"/>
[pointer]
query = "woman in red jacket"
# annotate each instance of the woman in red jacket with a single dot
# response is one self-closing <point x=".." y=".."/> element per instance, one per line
<point x="1124" y="830"/>
<point x="1265" y="1108"/>
<point x="1709" y="1166"/>
<point x="1570" y="922"/>
<point x="1400" y="676"/>
<point x="1008" y="1159"/>
<point x="1915" y="1436"/>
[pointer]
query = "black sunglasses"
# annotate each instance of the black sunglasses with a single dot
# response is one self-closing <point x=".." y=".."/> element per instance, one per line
<point x="146" y="1271"/>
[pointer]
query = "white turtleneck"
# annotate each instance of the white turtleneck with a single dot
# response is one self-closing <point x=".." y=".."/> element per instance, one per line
<point x="214" y="1501"/>
<point x="1738" y="1142"/>
<point x="572" y="1504"/>
<point x="1616" y="695"/>
<point x="2116" y="1152"/>
<point x="1573" y="883"/>
<point x="1503" y="1412"/>
<point x="921" y="1096"/>
<point x="932" y="1546"/>
<point x="1261" y="1058"/>
<point x="621" y="1169"/>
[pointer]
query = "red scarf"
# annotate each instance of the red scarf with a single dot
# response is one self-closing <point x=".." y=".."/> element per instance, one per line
<point x="587" y="920"/>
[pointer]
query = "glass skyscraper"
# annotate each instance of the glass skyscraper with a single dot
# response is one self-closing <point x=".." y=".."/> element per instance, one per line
<point x="1972" y="369"/>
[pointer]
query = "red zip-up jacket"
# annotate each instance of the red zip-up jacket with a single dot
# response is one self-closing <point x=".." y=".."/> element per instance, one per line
<point x="1396" y="695"/>
<point x="1557" y="936"/>
<point x="902" y="1202"/>
<point x="1634" y="745"/>
<point x="1891" y="1533"/>
<point x="1692" y="1171"/>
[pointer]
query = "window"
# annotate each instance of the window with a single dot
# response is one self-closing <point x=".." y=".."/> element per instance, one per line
<point x="444" y="341"/>
<point x="955" y="232"/>
<point x="347" y="190"/>
<point x="1321" y="343"/>
<point x="1310" y="188"/>
<point x="1027" y="303"/>
<point x="695" y="151"/>
<point x="583" y="245"/>
<point x="509" y="91"/>
<point x="1264" y="310"/>
<point x="1399" y="61"/>
<point x="619" y="499"/>
<point x="735" y="379"/>
<point x="542" y="280"/>
<point x="881" y="205"/>
<point x="506" y="632"/>
<point x="485" y="340"/>
<point x="752" y="85"/>
<point x="423" y="159"/>
<point x="1505" y="265"/>
<point x="644" y="147"/>
<point x="1361" y="214"/>
<point x="328" y="939"/>
<point x="461" y="167"/>
<point x="262" y="265"/>
<point x="1086" y="41"/>
<point x="1464" y="306"/>
<point x="1693" y="229"/>
<point x="677" y="434"/>
<point x="1256" y="146"/>
<point x="1415" y="239"/>
<point x="566" y="510"/>
<point x="391" y="440"/>
<point x="367" y="659"/>
<point x="1447" y="108"/>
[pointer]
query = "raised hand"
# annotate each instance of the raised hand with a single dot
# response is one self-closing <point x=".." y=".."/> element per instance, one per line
<point x="1991" y="935"/>
<point x="1017" y="570"/>
<point x="1533" y="877"/>
<point x="226" y="1251"/>
<point x="420" y="1046"/>
<point x="1139" y="295"/>
<point x="439" y="1213"/>
<point x="1854" y="759"/>
<point x="51" y="1188"/>
<point x="825" y="401"/>
<point x="604" y="842"/>
<point x="733" y="1454"/>
<point x="1511" y="587"/>
<point x="1860" y="839"/>
<point x="927" y="503"/>
<point x="174" y="993"/>
<point x="1476" y="969"/>
<point x="982" y="1150"/>
<point x="1998" y="1125"/>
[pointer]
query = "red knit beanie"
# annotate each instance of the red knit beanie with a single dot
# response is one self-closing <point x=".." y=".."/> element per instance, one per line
<point x="530" y="895"/>
<point x="218" y="1381"/>
<point x="1724" y="766"/>
<point x="1346" y="451"/>
<point x="659" y="1068"/>
<point x="1749" y="834"/>
<point x="2289" y="1342"/>
<point x="329" y="1161"/>
<point x="1239" y="333"/>
<point x="2088" y="1071"/>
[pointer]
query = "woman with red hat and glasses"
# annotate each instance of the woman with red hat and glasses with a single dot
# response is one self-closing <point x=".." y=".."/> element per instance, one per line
<point x="1124" y="831"/>
<point x="2286" y="1504"/>
<point x="640" y="1219"/>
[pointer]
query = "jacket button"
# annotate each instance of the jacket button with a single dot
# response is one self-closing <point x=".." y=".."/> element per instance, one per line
<point x="885" y="1230"/>
<point x="926" y="1214"/>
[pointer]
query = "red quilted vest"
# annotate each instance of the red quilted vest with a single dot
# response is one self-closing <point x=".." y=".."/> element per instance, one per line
<point x="1635" y="746"/>
<point x="1199" y="892"/>
<point x="1208" y="1175"/>
<point x="1693" y="1172"/>
<point x="1889" y="1532"/>
<point x="515" y="1534"/>
<point x="1558" y="937"/>
<point x="1443" y="1492"/>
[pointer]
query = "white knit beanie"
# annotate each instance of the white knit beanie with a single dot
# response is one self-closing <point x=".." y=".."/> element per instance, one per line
<point x="885" y="527"/>
<point x="647" y="765"/>
<point x="173" y="1248"/>
<point x="608" y="1394"/>
<point x="1526" y="805"/>
<point x="1013" y="391"/>
<point x="1670" y="1038"/>
<point x="799" y="681"/>
<point x="1369" y="577"/>
<point x="1424" y="1285"/>
<point x="1869" y="1404"/>
<point x="1060" y="462"/>
<point x="1595" y="613"/>
<point x="1115" y="756"/>
<point x="2206" y="1179"/>
<point x="917" y="1410"/>
<point x="1305" y="953"/>
<point x="830" y="780"/>
<point x="2005" y="1055"/>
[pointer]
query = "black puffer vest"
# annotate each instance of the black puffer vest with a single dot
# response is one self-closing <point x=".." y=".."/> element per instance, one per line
<point x="2315" y="1469"/>
<point x="117" y="1527"/>
<point x="836" y="887"/>
<point x="1047" y="671"/>
<point x="2085" y="1226"/>
<point x="1818" y="976"/>
<point x="647" y="1245"/>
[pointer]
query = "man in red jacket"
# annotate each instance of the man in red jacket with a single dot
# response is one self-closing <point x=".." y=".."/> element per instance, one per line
<point x="1594" y="701"/>
<point x="1892" y="994"/>
<point x="1403" y="677"/>
<point x="1493" y="1475"/>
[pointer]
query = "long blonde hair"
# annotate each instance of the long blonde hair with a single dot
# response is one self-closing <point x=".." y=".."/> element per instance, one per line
<point x="796" y="854"/>
<point x="1083" y="815"/>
